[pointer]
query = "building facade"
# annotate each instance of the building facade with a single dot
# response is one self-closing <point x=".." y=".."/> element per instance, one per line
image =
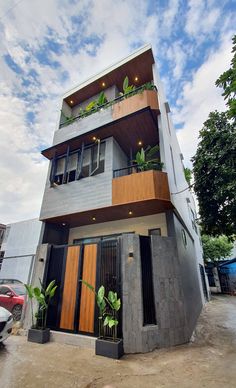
<point x="114" y="218"/>
<point x="19" y="245"/>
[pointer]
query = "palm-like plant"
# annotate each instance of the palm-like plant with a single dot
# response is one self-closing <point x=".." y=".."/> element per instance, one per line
<point x="148" y="159"/>
<point x="43" y="297"/>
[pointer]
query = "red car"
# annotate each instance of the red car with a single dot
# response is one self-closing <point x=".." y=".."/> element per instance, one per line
<point x="12" y="298"/>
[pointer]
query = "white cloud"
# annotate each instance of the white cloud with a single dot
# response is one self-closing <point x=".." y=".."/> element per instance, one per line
<point x="201" y="18"/>
<point x="199" y="97"/>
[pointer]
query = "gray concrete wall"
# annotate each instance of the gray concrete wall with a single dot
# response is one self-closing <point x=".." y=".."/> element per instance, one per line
<point x="137" y="338"/>
<point x="176" y="294"/>
<point x="168" y="292"/>
<point x="41" y="257"/>
<point x="83" y="125"/>
<point x="190" y="276"/>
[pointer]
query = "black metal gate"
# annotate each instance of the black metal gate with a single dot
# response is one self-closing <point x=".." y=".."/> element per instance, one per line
<point x="107" y="274"/>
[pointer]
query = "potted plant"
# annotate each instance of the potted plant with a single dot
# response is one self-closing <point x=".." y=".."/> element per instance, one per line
<point x="39" y="332"/>
<point x="107" y="345"/>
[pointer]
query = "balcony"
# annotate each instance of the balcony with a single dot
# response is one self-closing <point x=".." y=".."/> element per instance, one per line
<point x="140" y="186"/>
<point x="140" y="107"/>
<point x="128" y="118"/>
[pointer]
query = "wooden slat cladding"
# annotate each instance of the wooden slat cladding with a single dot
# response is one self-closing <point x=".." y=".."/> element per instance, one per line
<point x="141" y="186"/>
<point x="148" y="98"/>
<point x="70" y="288"/>
<point x="87" y="302"/>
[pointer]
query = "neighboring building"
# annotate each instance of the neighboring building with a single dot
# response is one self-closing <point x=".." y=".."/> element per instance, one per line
<point x="2" y="232"/>
<point x="111" y="222"/>
<point x="19" y="245"/>
<point x="222" y="276"/>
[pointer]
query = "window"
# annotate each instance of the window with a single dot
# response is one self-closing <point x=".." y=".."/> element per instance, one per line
<point x="4" y="290"/>
<point x="78" y="164"/>
<point x="154" y="232"/>
<point x="184" y="238"/>
<point x="173" y="165"/>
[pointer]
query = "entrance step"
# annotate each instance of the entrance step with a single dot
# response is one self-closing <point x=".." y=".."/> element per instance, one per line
<point x="83" y="341"/>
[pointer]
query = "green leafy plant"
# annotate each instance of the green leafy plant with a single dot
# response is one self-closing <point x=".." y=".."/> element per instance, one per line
<point x="148" y="159"/>
<point x="126" y="87"/>
<point x="90" y="106"/>
<point x="108" y="308"/>
<point x="42" y="296"/>
<point x="102" y="99"/>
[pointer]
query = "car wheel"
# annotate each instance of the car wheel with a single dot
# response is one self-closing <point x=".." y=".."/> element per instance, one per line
<point x="16" y="312"/>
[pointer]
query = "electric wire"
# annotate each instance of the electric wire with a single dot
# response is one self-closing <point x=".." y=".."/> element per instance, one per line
<point x="205" y="176"/>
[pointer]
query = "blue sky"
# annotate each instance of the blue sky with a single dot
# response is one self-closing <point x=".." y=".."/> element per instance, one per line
<point x="47" y="47"/>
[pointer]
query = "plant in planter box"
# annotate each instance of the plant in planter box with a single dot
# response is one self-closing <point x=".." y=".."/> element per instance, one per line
<point x="148" y="159"/>
<point x="108" y="346"/>
<point x="39" y="332"/>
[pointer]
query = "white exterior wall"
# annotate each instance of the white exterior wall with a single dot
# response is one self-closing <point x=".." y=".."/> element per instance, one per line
<point x="168" y="139"/>
<point x="139" y="225"/>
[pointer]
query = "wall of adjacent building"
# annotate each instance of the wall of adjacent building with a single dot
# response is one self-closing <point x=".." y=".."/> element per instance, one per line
<point x="20" y="245"/>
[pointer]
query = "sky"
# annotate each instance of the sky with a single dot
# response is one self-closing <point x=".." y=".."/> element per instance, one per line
<point x="49" y="46"/>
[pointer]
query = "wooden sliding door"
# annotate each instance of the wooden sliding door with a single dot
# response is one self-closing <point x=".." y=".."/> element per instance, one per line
<point x="87" y="299"/>
<point x="70" y="290"/>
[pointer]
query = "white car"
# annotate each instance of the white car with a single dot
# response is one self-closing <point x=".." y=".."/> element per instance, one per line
<point x="6" y="323"/>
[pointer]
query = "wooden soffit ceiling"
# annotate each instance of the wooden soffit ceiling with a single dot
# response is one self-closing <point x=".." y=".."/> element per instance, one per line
<point x="128" y="131"/>
<point x="140" y="66"/>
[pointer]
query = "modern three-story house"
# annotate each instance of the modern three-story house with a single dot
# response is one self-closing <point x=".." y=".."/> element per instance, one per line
<point x="114" y="211"/>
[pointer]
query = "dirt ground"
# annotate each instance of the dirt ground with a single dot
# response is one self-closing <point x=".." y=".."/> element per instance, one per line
<point x="208" y="361"/>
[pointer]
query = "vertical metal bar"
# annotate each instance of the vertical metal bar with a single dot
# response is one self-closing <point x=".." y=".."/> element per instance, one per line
<point x="64" y="179"/>
<point x="80" y="164"/>
<point x="53" y="170"/>
<point x="130" y="160"/>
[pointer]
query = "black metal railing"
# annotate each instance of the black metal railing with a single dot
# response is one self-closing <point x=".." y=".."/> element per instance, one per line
<point x="140" y="89"/>
<point x="134" y="168"/>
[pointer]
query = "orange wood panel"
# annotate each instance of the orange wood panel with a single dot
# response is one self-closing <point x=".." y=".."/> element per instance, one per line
<point x="140" y="187"/>
<point x="87" y="301"/>
<point x="134" y="103"/>
<point x="70" y="288"/>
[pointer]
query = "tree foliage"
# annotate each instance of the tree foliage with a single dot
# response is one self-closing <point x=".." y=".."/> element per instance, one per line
<point x="188" y="175"/>
<point x="216" y="248"/>
<point x="215" y="175"/>
<point x="227" y="81"/>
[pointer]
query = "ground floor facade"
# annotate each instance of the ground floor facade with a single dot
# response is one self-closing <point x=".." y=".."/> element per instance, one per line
<point x="149" y="261"/>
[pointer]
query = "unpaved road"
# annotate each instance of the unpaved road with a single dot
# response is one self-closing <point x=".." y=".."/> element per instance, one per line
<point x="210" y="361"/>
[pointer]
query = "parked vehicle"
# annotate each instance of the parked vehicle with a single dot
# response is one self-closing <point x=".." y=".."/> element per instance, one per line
<point x="10" y="281"/>
<point x="6" y="323"/>
<point x="12" y="298"/>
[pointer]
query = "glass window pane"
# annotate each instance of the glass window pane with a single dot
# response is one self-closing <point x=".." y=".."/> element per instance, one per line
<point x="60" y="166"/>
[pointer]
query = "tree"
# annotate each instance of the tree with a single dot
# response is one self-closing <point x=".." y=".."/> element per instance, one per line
<point x="216" y="248"/>
<point x="227" y="81"/>
<point x="215" y="175"/>
<point x="188" y="175"/>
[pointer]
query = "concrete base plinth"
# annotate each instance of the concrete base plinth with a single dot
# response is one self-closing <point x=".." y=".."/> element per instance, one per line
<point x="83" y="341"/>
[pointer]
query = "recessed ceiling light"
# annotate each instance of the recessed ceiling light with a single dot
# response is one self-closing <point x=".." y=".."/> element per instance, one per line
<point x="130" y="213"/>
<point x="94" y="138"/>
<point x="103" y="84"/>
<point x="63" y="224"/>
<point x="136" y="79"/>
<point x="140" y="143"/>
<point x="94" y="218"/>
<point x="71" y="101"/>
